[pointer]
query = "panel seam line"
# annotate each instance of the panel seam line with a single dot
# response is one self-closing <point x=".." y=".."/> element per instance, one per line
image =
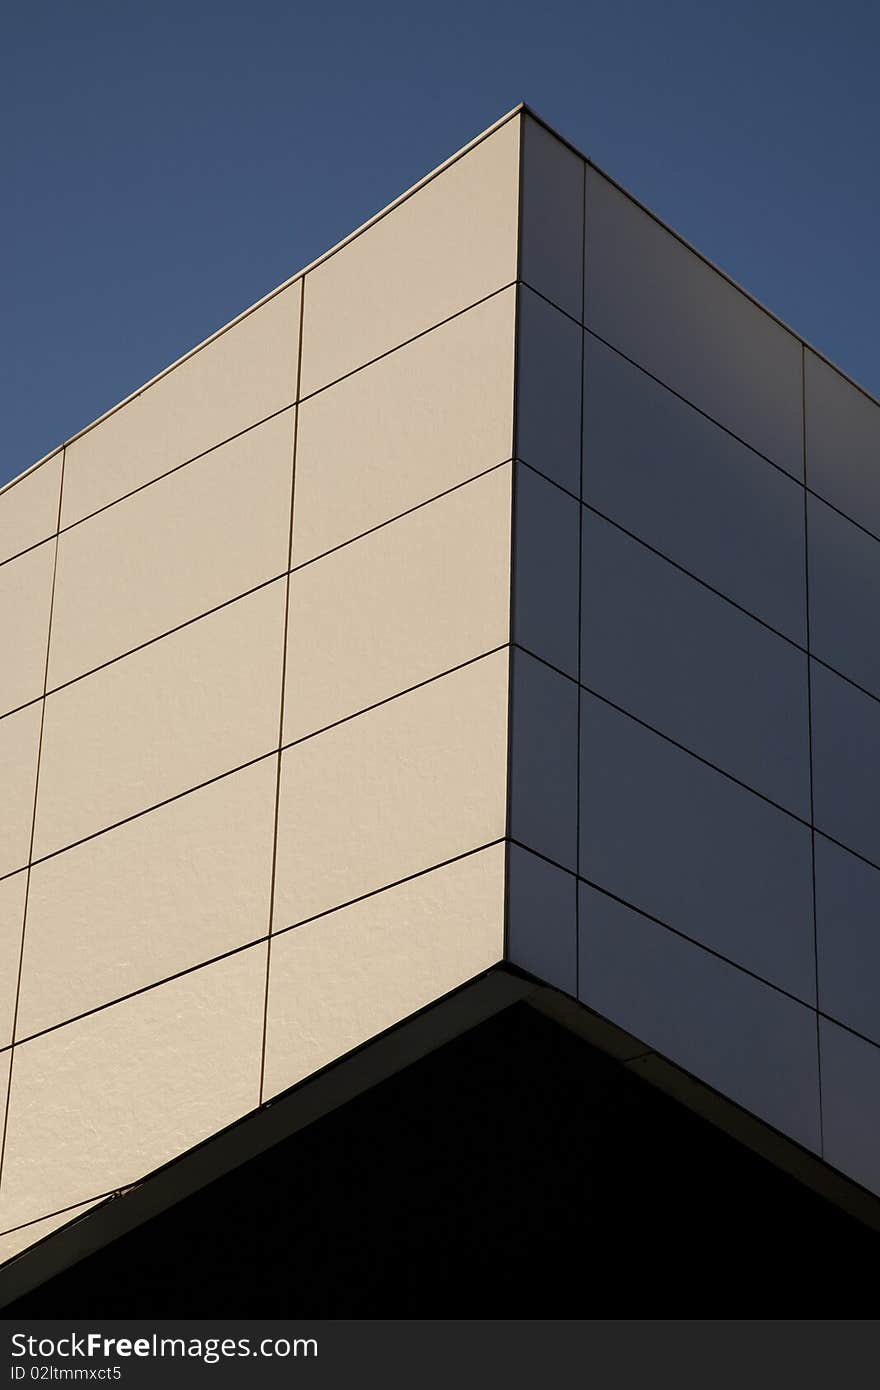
<point x="810" y="749"/>
<point x="27" y="883"/>
<point x="284" y="648"/>
<point x="256" y="941"/>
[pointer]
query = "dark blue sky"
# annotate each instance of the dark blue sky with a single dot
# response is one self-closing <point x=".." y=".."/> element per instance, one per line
<point x="165" y="165"/>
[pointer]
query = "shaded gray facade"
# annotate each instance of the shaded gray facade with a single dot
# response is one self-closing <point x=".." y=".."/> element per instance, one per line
<point x="697" y="571"/>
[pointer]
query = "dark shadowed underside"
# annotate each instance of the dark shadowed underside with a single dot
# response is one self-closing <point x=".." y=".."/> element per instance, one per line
<point x="466" y="1186"/>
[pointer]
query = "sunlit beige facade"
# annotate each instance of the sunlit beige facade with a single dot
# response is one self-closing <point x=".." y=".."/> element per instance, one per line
<point x="327" y="654"/>
<point x="196" y="630"/>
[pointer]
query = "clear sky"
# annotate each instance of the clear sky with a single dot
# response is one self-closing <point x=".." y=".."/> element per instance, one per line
<point x="164" y="165"/>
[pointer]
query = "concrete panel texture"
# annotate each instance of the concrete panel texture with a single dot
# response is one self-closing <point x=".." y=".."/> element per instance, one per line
<point x="253" y="702"/>
<point x="515" y="598"/>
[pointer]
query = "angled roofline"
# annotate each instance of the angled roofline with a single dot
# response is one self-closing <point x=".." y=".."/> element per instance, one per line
<point x="298" y="275"/>
<point x="520" y="109"/>
<point x="695" y="250"/>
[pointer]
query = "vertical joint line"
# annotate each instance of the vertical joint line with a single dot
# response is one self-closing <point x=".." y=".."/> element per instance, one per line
<point x="810" y="737"/>
<point x="284" y="637"/>
<point x="513" y="518"/>
<point x="580" y="580"/>
<point x="27" y="881"/>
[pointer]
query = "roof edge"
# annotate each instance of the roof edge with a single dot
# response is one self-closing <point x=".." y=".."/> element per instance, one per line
<point x="285" y="284"/>
<point x="695" y="250"/>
